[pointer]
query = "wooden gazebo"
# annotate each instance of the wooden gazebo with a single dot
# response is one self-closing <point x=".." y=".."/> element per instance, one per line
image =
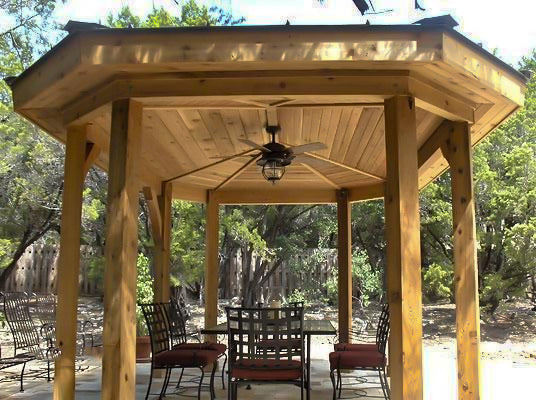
<point x="395" y="105"/>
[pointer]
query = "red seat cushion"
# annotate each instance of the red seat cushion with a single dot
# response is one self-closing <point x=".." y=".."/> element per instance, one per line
<point x="267" y="370"/>
<point x="355" y="347"/>
<point x="219" y="347"/>
<point x="356" y="359"/>
<point x="186" y="357"/>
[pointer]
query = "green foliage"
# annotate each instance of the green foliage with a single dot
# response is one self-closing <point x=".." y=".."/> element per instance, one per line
<point x="187" y="243"/>
<point x="299" y="295"/>
<point x="189" y="14"/>
<point x="144" y="292"/>
<point x="367" y="280"/>
<point x="438" y="283"/>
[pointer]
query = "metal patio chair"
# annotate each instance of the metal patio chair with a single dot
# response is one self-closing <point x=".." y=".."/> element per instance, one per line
<point x="163" y="356"/>
<point x="43" y="307"/>
<point x="265" y="346"/>
<point x="28" y="343"/>
<point x="179" y="336"/>
<point x="362" y="356"/>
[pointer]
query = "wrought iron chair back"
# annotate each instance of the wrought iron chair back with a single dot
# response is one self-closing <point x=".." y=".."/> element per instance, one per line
<point x="43" y="306"/>
<point x="265" y="333"/>
<point x="157" y="324"/>
<point x="177" y="323"/>
<point x="25" y="335"/>
<point x="382" y="331"/>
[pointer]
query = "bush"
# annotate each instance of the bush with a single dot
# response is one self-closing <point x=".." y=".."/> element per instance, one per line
<point x="307" y="296"/>
<point x="438" y="283"/>
<point x="366" y="279"/>
<point x="144" y="292"/>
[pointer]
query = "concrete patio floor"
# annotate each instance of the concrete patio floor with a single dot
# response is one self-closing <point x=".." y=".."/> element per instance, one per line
<point x="501" y="379"/>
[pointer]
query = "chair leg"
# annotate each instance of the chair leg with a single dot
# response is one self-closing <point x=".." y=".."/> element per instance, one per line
<point x="165" y="383"/>
<point x="229" y="386"/>
<point x="48" y="370"/>
<point x="334" y="384"/>
<point x="223" y="371"/>
<point x="150" y="382"/>
<point x="180" y="379"/>
<point x="387" y="389"/>
<point x="339" y="381"/>
<point x="22" y="377"/>
<point x="200" y="384"/>
<point x="212" y="391"/>
<point x="234" y="386"/>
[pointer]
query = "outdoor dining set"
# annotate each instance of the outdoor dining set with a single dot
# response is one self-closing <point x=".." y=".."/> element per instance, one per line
<point x="265" y="345"/>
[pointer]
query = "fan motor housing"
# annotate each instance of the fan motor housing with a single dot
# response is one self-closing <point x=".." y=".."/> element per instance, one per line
<point x="278" y="153"/>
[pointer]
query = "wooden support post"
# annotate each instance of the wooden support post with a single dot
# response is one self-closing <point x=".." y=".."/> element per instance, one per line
<point x="163" y="270"/>
<point x="119" y="334"/>
<point x="403" y="249"/>
<point x="212" y="263"/>
<point x="69" y="263"/>
<point x="344" y="222"/>
<point x="160" y="216"/>
<point x="457" y="150"/>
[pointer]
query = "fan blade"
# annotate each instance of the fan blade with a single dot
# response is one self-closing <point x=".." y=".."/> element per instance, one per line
<point x="243" y="156"/>
<point x="302" y="158"/>
<point x="308" y="147"/>
<point x="253" y="144"/>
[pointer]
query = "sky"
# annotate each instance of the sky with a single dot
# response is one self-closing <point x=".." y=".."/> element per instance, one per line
<point x="506" y="25"/>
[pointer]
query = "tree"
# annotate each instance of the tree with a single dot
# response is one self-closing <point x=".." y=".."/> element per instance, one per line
<point x="30" y="168"/>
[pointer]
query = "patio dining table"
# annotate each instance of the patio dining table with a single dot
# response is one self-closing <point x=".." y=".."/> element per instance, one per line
<point x="310" y="328"/>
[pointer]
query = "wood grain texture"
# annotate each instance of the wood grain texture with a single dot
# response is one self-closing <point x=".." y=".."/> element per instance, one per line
<point x="69" y="263"/>
<point x="119" y="331"/>
<point x="403" y="250"/>
<point x="457" y="150"/>
<point x="344" y="251"/>
<point x="212" y="262"/>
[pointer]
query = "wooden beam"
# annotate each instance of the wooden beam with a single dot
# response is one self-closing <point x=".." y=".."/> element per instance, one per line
<point x="475" y="66"/>
<point x="344" y="246"/>
<point x="154" y="212"/>
<point x="209" y="165"/>
<point x="369" y="192"/>
<point x="321" y="175"/>
<point x="243" y="87"/>
<point x="212" y="262"/>
<point x="439" y="102"/>
<point x="403" y="250"/>
<point x="433" y="143"/>
<point x="69" y="263"/>
<point x="359" y="171"/>
<point x="275" y="196"/>
<point x="97" y="53"/>
<point x="162" y="248"/>
<point x="457" y="150"/>
<point x="237" y="173"/>
<point x="119" y="333"/>
<point x="92" y="152"/>
<point x="189" y="193"/>
<point x="252" y="107"/>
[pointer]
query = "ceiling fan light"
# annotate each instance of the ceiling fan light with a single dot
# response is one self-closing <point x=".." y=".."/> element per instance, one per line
<point x="273" y="171"/>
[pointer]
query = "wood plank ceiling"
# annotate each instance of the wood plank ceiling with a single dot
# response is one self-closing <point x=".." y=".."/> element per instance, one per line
<point x="182" y="138"/>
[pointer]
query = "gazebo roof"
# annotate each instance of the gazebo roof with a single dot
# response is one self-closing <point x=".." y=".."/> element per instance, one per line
<point x="202" y="89"/>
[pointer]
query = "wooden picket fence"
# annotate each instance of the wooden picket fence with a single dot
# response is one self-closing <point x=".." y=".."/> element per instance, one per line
<point x="37" y="268"/>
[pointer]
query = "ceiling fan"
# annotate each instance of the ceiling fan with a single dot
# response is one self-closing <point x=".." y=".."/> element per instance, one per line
<point x="275" y="156"/>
